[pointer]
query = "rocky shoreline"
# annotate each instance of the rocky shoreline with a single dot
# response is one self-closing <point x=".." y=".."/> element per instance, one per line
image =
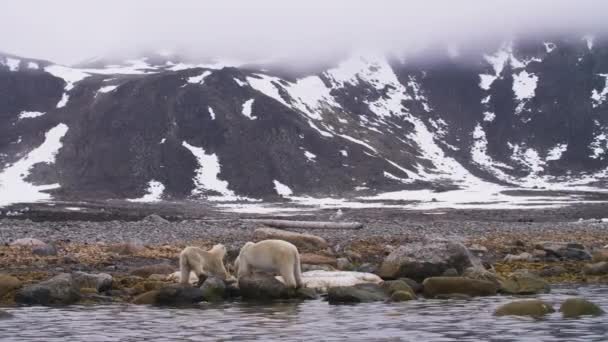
<point x="416" y="256"/>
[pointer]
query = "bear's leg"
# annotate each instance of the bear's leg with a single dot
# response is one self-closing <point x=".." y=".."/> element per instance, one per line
<point x="200" y="273"/>
<point x="288" y="276"/>
<point x="184" y="268"/>
<point x="243" y="269"/>
<point x="297" y="271"/>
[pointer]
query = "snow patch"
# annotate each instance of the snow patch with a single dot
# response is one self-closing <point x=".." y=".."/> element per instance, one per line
<point x="247" y="108"/>
<point x="489" y="116"/>
<point x="310" y="156"/>
<point x="14" y="188"/>
<point x="107" y="89"/>
<point x="282" y="189"/>
<point x="211" y="113"/>
<point x="549" y="47"/>
<point x="33" y="65"/>
<point x="556" y="152"/>
<point x="344" y="153"/>
<point x="13" y="64"/>
<point x="70" y="76"/>
<point x="589" y="39"/>
<point x="240" y="83"/>
<point x="598" y="98"/>
<point x="200" y="79"/>
<point x="154" y="193"/>
<point x="30" y="115"/>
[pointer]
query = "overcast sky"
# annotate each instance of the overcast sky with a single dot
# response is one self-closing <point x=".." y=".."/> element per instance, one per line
<point x="68" y="31"/>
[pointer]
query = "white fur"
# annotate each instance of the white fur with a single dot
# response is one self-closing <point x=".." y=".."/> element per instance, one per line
<point x="202" y="263"/>
<point x="272" y="256"/>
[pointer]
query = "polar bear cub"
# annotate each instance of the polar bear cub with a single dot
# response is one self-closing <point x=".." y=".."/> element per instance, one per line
<point x="272" y="256"/>
<point x="202" y="263"/>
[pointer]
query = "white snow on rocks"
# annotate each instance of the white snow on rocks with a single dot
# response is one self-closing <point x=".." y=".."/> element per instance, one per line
<point x="556" y="152"/>
<point x="589" y="39"/>
<point x="549" y="47"/>
<point x="13" y="64"/>
<point x="267" y="85"/>
<point x="344" y="153"/>
<point x="240" y="83"/>
<point x="211" y="113"/>
<point x="33" y="65"/>
<point x="488" y="116"/>
<point x="599" y="146"/>
<point x="247" y="108"/>
<point x="70" y="76"/>
<point x="207" y="175"/>
<point x="30" y="115"/>
<point x="598" y="98"/>
<point x="14" y="188"/>
<point x="282" y="189"/>
<point x="528" y="157"/>
<point x="524" y="86"/>
<point x="310" y="156"/>
<point x="107" y="89"/>
<point x="154" y="193"/>
<point x="200" y="79"/>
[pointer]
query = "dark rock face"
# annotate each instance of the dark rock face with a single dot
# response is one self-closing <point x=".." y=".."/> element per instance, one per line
<point x="179" y="295"/>
<point x="438" y="286"/>
<point x="262" y="287"/>
<point x="59" y="290"/>
<point x="360" y="293"/>
<point x="510" y="113"/>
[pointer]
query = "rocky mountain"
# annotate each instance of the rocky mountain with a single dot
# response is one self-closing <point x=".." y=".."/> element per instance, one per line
<point x="528" y="113"/>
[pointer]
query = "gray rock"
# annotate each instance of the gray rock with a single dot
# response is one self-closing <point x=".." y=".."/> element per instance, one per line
<point x="450" y="272"/>
<point x="100" y="281"/>
<point x="360" y="293"/>
<point x="262" y="287"/>
<point x="577" y="307"/>
<point x="565" y="250"/>
<point x="420" y="260"/>
<point x="367" y="268"/>
<point x="414" y="285"/>
<point x="392" y="286"/>
<point x="44" y="250"/>
<point x="156" y="219"/>
<point x="533" y="308"/>
<point x="599" y="268"/>
<point x="344" y="264"/>
<point x="59" y="290"/>
<point x="437" y="286"/>
<point x="552" y="271"/>
<point x="177" y="295"/>
<point x="5" y="315"/>
<point x="148" y="270"/>
<point x="523" y="282"/>
<point x="214" y="289"/>
<point x="30" y="242"/>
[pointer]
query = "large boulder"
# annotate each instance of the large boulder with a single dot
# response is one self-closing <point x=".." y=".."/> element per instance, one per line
<point x="100" y="281"/>
<point x="8" y="284"/>
<point x="45" y="250"/>
<point x="360" y="293"/>
<point x="59" y="290"/>
<point x="522" y="283"/>
<point x="442" y="286"/>
<point x="155" y="219"/>
<point x="565" y="250"/>
<point x="533" y="308"/>
<point x="576" y="307"/>
<point x="317" y="259"/>
<point x="421" y="260"/>
<point x="214" y="289"/>
<point x="393" y="286"/>
<point x="304" y="241"/>
<point x="146" y="298"/>
<point x="176" y="295"/>
<point x="262" y="287"/>
<point x="322" y="280"/>
<point x="598" y="268"/>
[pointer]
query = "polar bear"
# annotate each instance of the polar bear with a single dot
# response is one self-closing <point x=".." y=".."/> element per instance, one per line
<point x="273" y="256"/>
<point x="202" y="263"/>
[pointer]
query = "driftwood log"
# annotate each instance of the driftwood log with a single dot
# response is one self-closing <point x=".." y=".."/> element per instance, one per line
<point x="307" y="224"/>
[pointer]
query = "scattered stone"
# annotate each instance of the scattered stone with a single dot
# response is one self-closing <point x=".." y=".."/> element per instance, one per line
<point x="414" y="285"/>
<point x="392" y="286"/>
<point x="8" y="284"/>
<point x="420" y="260"/>
<point x="478" y="249"/>
<point x="525" y="256"/>
<point x="176" y="295"/>
<point x="534" y="308"/>
<point x="157" y="277"/>
<point x="305" y="241"/>
<point x="146" y="271"/>
<point x="101" y="281"/>
<point x="367" y="268"/>
<point x="600" y="268"/>
<point x="539" y="254"/>
<point x="360" y="293"/>
<point x="59" y="290"/>
<point x="344" y="264"/>
<point x="576" y="307"/>
<point x="481" y="273"/>
<point x="262" y="287"/>
<point x="127" y="248"/>
<point x="353" y="256"/>
<point x="306" y="293"/>
<point x="317" y="259"/>
<point x="214" y="289"/>
<point x="401" y="296"/>
<point x="151" y="285"/>
<point x="156" y="219"/>
<point x="553" y="271"/>
<point x="147" y="298"/>
<point x="565" y="250"/>
<point x="436" y="286"/>
<point x="322" y="280"/>
<point x="524" y="282"/>
<point x="28" y="242"/>
<point x="45" y="250"/>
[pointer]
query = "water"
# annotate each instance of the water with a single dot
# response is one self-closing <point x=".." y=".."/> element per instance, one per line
<point x="422" y="320"/>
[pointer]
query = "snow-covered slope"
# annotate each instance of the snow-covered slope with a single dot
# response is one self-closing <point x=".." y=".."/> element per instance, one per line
<point x="524" y="114"/>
